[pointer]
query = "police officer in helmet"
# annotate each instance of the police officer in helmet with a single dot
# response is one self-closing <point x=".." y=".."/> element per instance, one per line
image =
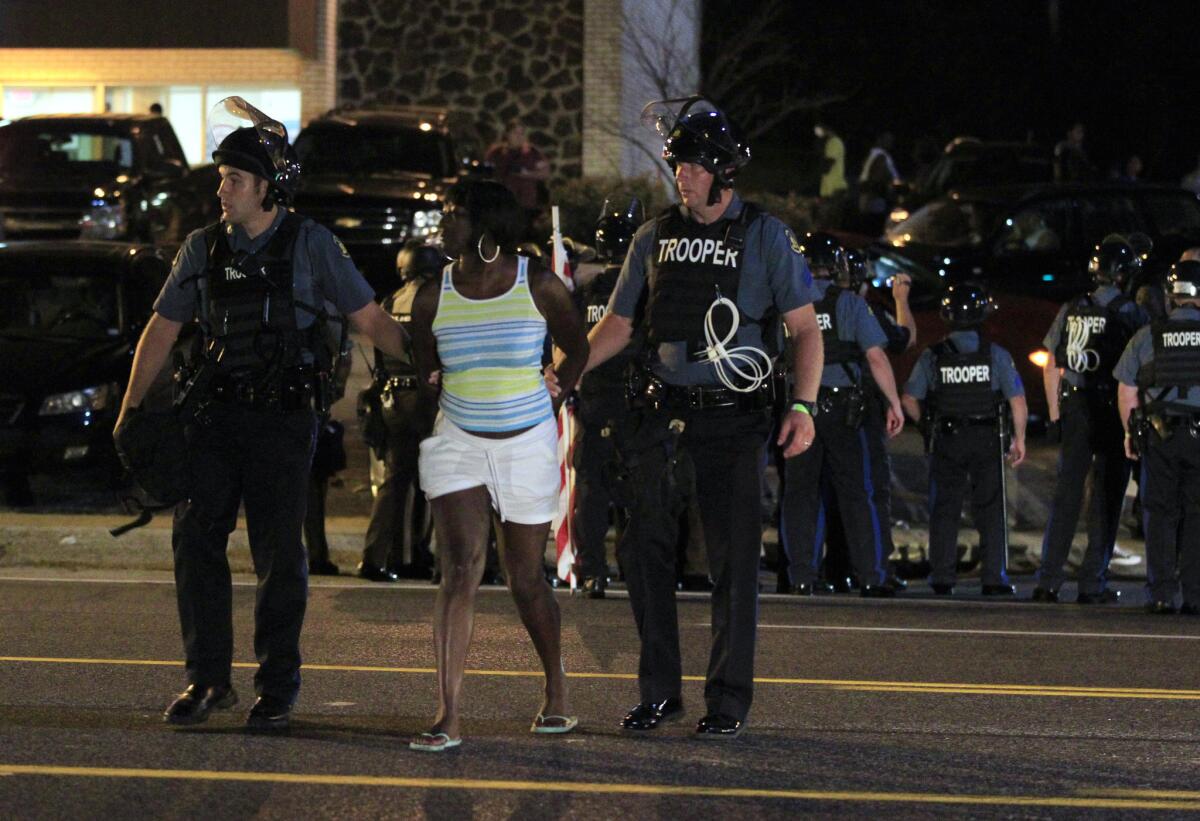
<point x="699" y="427"/>
<point x="602" y="408"/>
<point x="1085" y="341"/>
<point x="405" y="417"/>
<point x="258" y="285"/>
<point x="1158" y="398"/>
<point x="852" y="342"/>
<point x="969" y="388"/>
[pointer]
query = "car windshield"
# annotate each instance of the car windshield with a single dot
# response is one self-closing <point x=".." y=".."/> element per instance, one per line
<point x="64" y="149"/>
<point x="375" y="151"/>
<point x="37" y="304"/>
<point x="947" y="223"/>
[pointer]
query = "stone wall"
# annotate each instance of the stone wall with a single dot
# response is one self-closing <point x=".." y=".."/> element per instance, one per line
<point x="485" y="61"/>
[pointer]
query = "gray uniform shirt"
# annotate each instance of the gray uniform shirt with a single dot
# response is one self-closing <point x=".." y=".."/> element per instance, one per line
<point x="773" y="274"/>
<point x="1140" y="351"/>
<point x="322" y="272"/>
<point x="1005" y="378"/>
<point x="855" y="323"/>
<point x="1133" y="315"/>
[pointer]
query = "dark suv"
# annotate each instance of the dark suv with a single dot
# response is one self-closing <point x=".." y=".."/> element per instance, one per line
<point x="97" y="176"/>
<point x="1031" y="245"/>
<point x="376" y="178"/>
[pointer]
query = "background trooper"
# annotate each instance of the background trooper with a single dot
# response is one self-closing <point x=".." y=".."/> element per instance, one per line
<point x="1159" y="403"/>
<point x="900" y="329"/>
<point x="405" y="417"/>
<point x="851" y="337"/>
<point x="1085" y="341"/>
<point x="966" y="384"/>
<point x="256" y="283"/>
<point x="602" y="408"/>
<point x="699" y="429"/>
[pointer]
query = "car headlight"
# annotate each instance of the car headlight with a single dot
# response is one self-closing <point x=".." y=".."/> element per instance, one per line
<point x="104" y="220"/>
<point x="82" y="401"/>
<point x="425" y="223"/>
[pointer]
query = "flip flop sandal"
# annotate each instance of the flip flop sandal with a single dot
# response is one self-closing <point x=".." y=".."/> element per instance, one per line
<point x="434" y="743"/>
<point x="553" y="724"/>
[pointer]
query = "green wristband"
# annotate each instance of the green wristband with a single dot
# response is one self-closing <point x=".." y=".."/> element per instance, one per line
<point x="800" y="406"/>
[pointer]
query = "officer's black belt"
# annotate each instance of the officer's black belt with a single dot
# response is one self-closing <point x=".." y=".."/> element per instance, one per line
<point x="402" y="383"/>
<point x="257" y="392"/>
<point x="698" y="397"/>
<point x="836" y="393"/>
<point x="967" y="421"/>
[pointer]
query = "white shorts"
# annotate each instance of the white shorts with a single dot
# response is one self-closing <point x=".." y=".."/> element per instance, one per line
<point x="521" y="473"/>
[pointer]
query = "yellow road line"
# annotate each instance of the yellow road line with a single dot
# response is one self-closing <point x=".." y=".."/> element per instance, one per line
<point x="595" y="788"/>
<point x="863" y="685"/>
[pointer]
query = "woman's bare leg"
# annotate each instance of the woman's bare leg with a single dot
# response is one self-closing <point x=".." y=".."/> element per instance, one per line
<point x="462" y="521"/>
<point x="523" y="549"/>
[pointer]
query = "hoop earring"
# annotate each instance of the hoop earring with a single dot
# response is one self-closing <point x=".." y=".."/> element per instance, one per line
<point x="479" y="250"/>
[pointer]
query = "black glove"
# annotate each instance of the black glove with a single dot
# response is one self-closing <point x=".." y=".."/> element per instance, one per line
<point x="1054" y="431"/>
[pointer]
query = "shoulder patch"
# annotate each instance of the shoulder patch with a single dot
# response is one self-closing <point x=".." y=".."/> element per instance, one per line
<point x="795" y="243"/>
<point x="340" y="245"/>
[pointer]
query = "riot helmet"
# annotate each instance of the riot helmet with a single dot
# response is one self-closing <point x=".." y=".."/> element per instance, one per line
<point x="966" y="305"/>
<point x="1113" y="261"/>
<point x="1183" y="280"/>
<point x="615" y="229"/>
<point x="248" y="139"/>
<point x="419" y="260"/>
<point x="859" y="268"/>
<point x="825" y="256"/>
<point x="694" y="130"/>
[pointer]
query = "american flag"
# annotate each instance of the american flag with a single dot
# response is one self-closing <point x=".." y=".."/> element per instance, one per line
<point x="564" y="541"/>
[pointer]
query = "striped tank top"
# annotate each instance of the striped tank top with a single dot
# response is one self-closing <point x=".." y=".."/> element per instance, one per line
<point x="491" y="354"/>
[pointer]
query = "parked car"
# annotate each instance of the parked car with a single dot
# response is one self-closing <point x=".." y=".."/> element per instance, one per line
<point x="69" y="322"/>
<point x="98" y="176"/>
<point x="1030" y="244"/>
<point x="376" y="178"/>
<point x="967" y="162"/>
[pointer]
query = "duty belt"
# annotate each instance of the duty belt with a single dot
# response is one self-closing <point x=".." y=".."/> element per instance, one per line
<point x="951" y="423"/>
<point x="402" y="383"/>
<point x="699" y="397"/>
<point x="291" y="390"/>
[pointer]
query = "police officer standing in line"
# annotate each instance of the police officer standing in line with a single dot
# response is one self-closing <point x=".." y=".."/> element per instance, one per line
<point x="965" y="381"/>
<point x="602" y="408"/>
<point x="1085" y="341"/>
<point x="406" y="417"/>
<point x="901" y="332"/>
<point x="700" y="427"/>
<point x="256" y="283"/>
<point x="1159" y="402"/>
<point x="851" y="337"/>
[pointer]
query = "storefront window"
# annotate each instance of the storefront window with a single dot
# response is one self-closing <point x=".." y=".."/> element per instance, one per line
<point x="21" y="102"/>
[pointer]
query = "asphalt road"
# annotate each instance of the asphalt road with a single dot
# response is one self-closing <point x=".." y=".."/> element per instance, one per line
<point x="916" y="708"/>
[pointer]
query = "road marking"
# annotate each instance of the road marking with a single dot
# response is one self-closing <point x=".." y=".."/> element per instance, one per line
<point x="596" y="788"/>
<point x="858" y="685"/>
<point x="962" y="631"/>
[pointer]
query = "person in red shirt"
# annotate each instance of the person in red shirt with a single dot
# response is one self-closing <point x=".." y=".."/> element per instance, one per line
<point x="520" y="168"/>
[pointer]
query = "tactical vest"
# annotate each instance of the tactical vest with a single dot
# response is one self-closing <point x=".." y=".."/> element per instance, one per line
<point x="1176" y="362"/>
<point x="249" y="304"/>
<point x="838" y="351"/>
<point x="399" y="305"/>
<point x="593" y="301"/>
<point x="1092" y="340"/>
<point x="690" y="264"/>
<point x="962" y="382"/>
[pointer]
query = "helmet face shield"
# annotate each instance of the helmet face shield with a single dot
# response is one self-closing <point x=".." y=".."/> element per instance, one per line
<point x="1183" y="281"/>
<point x="694" y="130"/>
<point x="966" y="305"/>
<point x="246" y="138"/>
<point x="616" y="227"/>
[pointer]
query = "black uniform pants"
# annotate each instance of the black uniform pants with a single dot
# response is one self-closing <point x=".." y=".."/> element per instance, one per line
<point x="259" y="458"/>
<point x="595" y="468"/>
<point x="1092" y="440"/>
<point x="967" y="460"/>
<point x="840" y="454"/>
<point x="409" y="419"/>
<point x="718" y="457"/>
<point x="1171" y="515"/>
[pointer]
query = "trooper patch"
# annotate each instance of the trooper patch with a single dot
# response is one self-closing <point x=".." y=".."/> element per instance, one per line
<point x="341" y="247"/>
<point x="233" y="274"/>
<point x="795" y="243"/>
<point x="697" y="250"/>
<point x="960" y="374"/>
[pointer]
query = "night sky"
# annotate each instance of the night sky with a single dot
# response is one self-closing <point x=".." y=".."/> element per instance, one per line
<point x="995" y="70"/>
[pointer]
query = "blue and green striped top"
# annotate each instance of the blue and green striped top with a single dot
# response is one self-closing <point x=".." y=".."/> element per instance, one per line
<point x="491" y="354"/>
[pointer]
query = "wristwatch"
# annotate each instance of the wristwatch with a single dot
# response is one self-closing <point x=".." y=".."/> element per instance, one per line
<point x="804" y="406"/>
